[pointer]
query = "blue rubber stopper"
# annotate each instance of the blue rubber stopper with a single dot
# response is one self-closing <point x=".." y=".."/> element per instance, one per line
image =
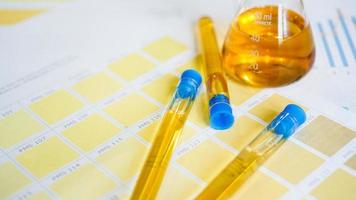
<point x="288" y="120"/>
<point x="192" y="74"/>
<point x="221" y="116"/>
<point x="190" y="82"/>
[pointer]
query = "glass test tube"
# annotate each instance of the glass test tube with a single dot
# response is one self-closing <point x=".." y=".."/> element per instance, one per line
<point x="252" y="156"/>
<point x="221" y="116"/>
<point x="167" y="136"/>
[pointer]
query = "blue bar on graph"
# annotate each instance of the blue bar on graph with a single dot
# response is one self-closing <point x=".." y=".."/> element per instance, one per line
<point x="347" y="33"/>
<point x="326" y="45"/>
<point x="338" y="43"/>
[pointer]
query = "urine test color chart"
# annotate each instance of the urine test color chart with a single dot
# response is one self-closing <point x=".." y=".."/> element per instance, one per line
<point x="87" y="138"/>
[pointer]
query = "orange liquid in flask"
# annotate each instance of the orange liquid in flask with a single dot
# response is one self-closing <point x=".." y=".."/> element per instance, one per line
<point x="268" y="47"/>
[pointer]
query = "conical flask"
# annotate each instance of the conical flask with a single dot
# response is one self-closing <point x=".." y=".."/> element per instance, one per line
<point x="269" y="43"/>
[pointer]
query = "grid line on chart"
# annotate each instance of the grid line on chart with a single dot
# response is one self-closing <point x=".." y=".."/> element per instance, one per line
<point x="338" y="43"/>
<point x="326" y="44"/>
<point x="347" y="33"/>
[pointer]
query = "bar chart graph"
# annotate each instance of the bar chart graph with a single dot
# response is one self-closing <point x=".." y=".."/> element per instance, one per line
<point x="336" y="36"/>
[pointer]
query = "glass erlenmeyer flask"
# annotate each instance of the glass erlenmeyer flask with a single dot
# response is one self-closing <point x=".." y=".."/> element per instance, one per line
<point x="269" y="43"/>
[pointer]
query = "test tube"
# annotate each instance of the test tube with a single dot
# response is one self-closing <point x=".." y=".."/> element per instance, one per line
<point x="167" y="137"/>
<point x="220" y="111"/>
<point x="254" y="154"/>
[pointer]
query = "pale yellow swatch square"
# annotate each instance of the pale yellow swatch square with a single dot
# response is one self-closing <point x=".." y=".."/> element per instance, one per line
<point x="85" y="183"/>
<point x="125" y="159"/>
<point x="97" y="87"/>
<point x="90" y="132"/>
<point x="47" y="157"/>
<point x="271" y="107"/>
<point x="177" y="186"/>
<point x="351" y="162"/>
<point x="199" y="114"/>
<point x="130" y="109"/>
<point x="56" y="106"/>
<point x="165" y="48"/>
<point x="242" y="132"/>
<point x="16" y="127"/>
<point x="149" y="132"/>
<point x="131" y="66"/>
<point x="14" y="16"/>
<point x="187" y="134"/>
<point x="296" y="169"/>
<point x="260" y="186"/>
<point x="11" y="179"/>
<point x="206" y="160"/>
<point x="325" y="135"/>
<point x="339" y="185"/>
<point x="240" y="93"/>
<point x="40" y="196"/>
<point x="162" y="89"/>
<point x="194" y="63"/>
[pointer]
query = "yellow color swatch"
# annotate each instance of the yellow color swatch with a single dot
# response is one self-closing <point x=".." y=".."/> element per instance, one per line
<point x="131" y="66"/>
<point x="351" y="162"/>
<point x="125" y="159"/>
<point x="40" y="196"/>
<point x="241" y="133"/>
<point x="294" y="170"/>
<point x="97" y="87"/>
<point x="56" y="106"/>
<point x="241" y="93"/>
<point x="199" y="113"/>
<point x="14" y="16"/>
<point x="11" y="179"/>
<point x="194" y="63"/>
<point x="165" y="48"/>
<point x="325" y="135"/>
<point x="260" y="186"/>
<point x="188" y="133"/>
<point x="271" y="107"/>
<point x="47" y="157"/>
<point x="339" y="185"/>
<point x="84" y="183"/>
<point x="149" y="131"/>
<point x="177" y="186"/>
<point x="162" y="89"/>
<point x="206" y="160"/>
<point x="130" y="109"/>
<point x="91" y="132"/>
<point x="16" y="127"/>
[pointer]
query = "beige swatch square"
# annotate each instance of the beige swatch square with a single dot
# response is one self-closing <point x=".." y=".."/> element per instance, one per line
<point x="325" y="135"/>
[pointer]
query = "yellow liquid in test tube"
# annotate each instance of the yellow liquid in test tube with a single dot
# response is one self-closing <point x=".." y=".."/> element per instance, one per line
<point x="167" y="137"/>
<point x="236" y="173"/>
<point x="268" y="46"/>
<point x="221" y="116"/>
<point x="252" y="156"/>
<point x="212" y="69"/>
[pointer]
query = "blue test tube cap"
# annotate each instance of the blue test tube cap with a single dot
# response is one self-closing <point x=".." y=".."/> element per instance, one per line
<point x="221" y="116"/>
<point x="288" y="120"/>
<point x="192" y="74"/>
<point x="190" y="82"/>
